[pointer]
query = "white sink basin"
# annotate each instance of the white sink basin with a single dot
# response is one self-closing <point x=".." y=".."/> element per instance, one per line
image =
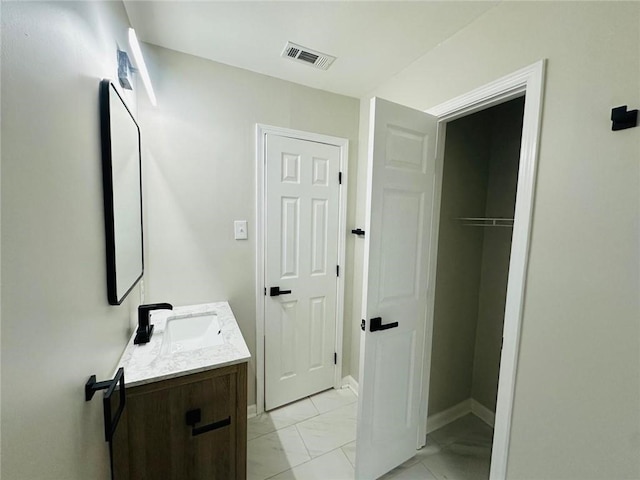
<point x="189" y="332"/>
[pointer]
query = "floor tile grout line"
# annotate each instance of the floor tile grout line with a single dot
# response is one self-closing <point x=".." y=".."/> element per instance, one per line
<point x="314" y="458"/>
<point x="311" y="457"/>
<point x="428" y="469"/>
<point x="422" y="461"/>
<point x="290" y="467"/>
<point x="296" y="423"/>
<point x="284" y="471"/>
<point x="285" y="426"/>
<point x="345" y="454"/>
<point x="303" y="442"/>
<point x="312" y="402"/>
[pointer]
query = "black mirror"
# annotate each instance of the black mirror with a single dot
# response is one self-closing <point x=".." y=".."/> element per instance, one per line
<point x="122" y="185"/>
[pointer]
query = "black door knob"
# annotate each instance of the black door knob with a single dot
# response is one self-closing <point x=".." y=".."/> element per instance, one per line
<point x="376" y="325"/>
<point x="275" y="291"/>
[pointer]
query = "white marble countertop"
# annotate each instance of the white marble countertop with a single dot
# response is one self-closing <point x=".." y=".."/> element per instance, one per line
<point x="148" y="363"/>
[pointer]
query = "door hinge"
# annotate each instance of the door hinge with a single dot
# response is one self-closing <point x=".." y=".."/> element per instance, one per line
<point x="337" y="270"/>
<point x="265" y="290"/>
<point x="363" y="325"/>
<point x="340" y="178"/>
<point x="335" y="358"/>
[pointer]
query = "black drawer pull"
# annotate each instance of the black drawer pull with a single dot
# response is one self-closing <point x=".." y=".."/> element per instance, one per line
<point x="194" y="416"/>
<point x="275" y="291"/>
<point x="376" y="325"/>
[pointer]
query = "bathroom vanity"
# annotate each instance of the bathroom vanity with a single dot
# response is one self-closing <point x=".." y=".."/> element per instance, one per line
<point x="186" y="399"/>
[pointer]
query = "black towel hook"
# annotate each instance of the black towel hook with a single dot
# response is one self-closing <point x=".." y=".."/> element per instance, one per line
<point x="622" y="119"/>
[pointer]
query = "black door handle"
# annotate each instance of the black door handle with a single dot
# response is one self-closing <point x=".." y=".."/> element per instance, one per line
<point x="376" y="324"/>
<point x="193" y="417"/>
<point x="275" y="291"/>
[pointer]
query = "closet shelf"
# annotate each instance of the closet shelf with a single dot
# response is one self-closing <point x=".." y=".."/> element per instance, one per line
<point x="486" y="222"/>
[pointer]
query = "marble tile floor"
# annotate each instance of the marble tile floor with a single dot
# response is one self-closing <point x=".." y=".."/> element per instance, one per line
<point x="460" y="450"/>
<point x="309" y="439"/>
<point x="314" y="439"/>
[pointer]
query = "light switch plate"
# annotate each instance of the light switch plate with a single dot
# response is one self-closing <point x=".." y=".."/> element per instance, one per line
<point x="240" y="229"/>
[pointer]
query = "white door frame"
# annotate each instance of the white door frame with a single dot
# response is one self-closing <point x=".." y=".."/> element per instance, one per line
<point x="530" y="81"/>
<point x="343" y="144"/>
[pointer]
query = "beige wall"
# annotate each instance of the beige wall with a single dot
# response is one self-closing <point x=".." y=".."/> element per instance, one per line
<point x="464" y="192"/>
<point x="578" y="385"/>
<point x="57" y="327"/>
<point x="199" y="172"/>
<point x="479" y="180"/>
<point x="506" y="129"/>
<point x="358" y="250"/>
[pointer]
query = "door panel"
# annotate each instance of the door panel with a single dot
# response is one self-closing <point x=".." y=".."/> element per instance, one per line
<point x="399" y="267"/>
<point x="400" y="208"/>
<point x="289" y="236"/>
<point x="302" y="192"/>
<point x="319" y="210"/>
<point x="388" y="381"/>
<point x="318" y="326"/>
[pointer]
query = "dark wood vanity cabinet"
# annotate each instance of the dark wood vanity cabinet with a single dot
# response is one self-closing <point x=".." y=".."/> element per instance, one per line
<point x="157" y="439"/>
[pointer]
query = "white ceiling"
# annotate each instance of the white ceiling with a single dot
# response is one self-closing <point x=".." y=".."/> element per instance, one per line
<point x="372" y="40"/>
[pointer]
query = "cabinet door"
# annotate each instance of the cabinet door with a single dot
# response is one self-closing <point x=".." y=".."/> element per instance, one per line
<point x="160" y="445"/>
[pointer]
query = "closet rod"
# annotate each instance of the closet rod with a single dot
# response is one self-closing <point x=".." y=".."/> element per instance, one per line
<point x="486" y="222"/>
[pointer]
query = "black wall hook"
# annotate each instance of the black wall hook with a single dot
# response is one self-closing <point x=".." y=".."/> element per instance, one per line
<point x="358" y="231"/>
<point x="622" y="119"/>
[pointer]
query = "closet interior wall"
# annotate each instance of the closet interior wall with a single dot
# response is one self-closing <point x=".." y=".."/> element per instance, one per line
<point x="479" y="180"/>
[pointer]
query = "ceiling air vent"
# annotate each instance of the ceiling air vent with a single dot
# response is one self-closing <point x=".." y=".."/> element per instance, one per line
<point x="308" y="56"/>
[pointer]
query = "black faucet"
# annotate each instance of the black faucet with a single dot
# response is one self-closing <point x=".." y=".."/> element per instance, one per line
<point x="144" y="332"/>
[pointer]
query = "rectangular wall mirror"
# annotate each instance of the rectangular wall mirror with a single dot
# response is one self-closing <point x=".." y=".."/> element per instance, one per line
<point x="122" y="185"/>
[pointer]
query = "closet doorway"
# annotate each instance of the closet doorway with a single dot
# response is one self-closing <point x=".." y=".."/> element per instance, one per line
<point x="479" y="186"/>
<point x="394" y="340"/>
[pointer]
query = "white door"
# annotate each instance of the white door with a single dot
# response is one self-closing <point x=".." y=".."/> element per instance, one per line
<point x="302" y="196"/>
<point x="399" y="204"/>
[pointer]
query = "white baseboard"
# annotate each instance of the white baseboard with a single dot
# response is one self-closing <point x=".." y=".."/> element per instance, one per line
<point x="449" y="415"/>
<point x="463" y="408"/>
<point x="347" y="382"/>
<point x="483" y="413"/>
<point x="350" y="383"/>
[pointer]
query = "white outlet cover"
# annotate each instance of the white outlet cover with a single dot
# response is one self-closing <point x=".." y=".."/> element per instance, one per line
<point x="240" y="229"/>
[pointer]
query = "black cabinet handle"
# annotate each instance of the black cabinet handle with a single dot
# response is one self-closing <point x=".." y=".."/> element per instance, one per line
<point x="194" y="416"/>
<point x="358" y="231"/>
<point x="275" y="291"/>
<point x="376" y="325"/>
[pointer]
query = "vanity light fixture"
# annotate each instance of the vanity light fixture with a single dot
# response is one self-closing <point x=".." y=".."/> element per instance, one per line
<point x="141" y="66"/>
